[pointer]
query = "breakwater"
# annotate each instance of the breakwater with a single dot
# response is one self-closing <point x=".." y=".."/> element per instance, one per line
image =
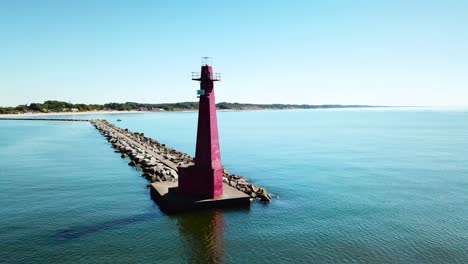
<point x="159" y="163"/>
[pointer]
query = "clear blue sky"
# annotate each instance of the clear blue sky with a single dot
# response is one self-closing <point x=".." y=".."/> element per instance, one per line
<point x="395" y="52"/>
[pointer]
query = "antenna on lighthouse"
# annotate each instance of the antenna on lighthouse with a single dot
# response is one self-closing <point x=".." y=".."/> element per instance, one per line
<point x="206" y="71"/>
<point x="206" y="61"/>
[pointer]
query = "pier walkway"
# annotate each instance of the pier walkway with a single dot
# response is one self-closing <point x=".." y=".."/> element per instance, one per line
<point x="148" y="151"/>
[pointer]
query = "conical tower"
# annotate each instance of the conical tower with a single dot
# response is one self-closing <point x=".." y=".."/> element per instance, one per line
<point x="205" y="178"/>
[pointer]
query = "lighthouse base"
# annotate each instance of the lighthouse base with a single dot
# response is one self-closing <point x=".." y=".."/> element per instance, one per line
<point x="200" y="183"/>
<point x="170" y="200"/>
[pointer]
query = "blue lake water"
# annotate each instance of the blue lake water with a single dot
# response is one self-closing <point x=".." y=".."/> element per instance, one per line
<point x="354" y="186"/>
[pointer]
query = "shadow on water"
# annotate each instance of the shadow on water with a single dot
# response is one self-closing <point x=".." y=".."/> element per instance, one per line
<point x="203" y="233"/>
<point x="77" y="232"/>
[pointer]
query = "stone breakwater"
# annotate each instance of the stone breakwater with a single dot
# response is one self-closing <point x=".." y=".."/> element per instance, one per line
<point x="159" y="163"/>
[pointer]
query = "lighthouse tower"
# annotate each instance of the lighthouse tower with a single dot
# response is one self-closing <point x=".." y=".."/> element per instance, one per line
<point x="204" y="179"/>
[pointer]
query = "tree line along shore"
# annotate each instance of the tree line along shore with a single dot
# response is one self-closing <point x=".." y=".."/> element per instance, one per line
<point x="52" y="106"/>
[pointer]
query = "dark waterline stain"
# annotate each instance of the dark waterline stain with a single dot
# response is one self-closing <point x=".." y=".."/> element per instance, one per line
<point x="73" y="233"/>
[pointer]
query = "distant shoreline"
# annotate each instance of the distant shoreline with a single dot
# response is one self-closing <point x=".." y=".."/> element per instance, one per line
<point x="103" y="112"/>
<point x="100" y="112"/>
<point x="74" y="113"/>
<point x="53" y="107"/>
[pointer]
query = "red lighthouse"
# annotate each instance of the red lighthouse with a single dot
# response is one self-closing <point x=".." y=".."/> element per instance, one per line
<point x="204" y="179"/>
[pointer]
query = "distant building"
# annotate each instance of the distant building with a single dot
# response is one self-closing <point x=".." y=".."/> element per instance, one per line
<point x="153" y="109"/>
<point x="70" y="110"/>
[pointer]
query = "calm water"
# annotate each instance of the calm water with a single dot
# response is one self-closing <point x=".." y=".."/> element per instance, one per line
<point x="354" y="186"/>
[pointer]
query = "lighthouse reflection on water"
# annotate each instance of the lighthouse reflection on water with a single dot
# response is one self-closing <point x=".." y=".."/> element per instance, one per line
<point x="203" y="236"/>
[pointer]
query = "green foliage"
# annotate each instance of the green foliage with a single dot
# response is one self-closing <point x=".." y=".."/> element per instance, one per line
<point x="59" y="106"/>
<point x="8" y="110"/>
<point x="36" y="107"/>
<point x="22" y="108"/>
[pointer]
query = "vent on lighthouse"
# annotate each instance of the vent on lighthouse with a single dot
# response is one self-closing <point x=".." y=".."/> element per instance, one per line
<point x="200" y="92"/>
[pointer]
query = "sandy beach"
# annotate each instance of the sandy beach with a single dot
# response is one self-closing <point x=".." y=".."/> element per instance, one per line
<point x="71" y="113"/>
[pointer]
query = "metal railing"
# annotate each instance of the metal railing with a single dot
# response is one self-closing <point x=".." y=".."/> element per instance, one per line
<point x="197" y="75"/>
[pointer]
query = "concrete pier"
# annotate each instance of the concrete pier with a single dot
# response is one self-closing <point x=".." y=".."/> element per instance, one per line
<point x="170" y="200"/>
<point x="160" y="166"/>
